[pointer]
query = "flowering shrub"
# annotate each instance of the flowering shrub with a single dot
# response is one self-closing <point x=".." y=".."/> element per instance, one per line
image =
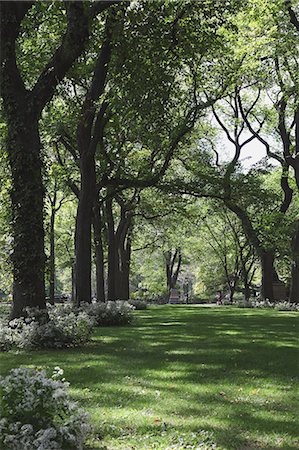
<point x="286" y="306"/>
<point x="262" y="304"/>
<point x="138" y="304"/>
<point x="243" y="304"/>
<point x="37" y="413"/>
<point x="66" y="327"/>
<point x="110" y="313"/>
<point x="6" y="336"/>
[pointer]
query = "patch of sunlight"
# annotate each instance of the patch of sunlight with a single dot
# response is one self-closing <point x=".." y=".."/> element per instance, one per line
<point x="285" y="344"/>
<point x="171" y="324"/>
<point x="108" y="339"/>
<point x="180" y="352"/>
<point x="230" y="332"/>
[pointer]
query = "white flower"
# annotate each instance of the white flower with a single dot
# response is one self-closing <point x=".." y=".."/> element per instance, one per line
<point x="31" y="396"/>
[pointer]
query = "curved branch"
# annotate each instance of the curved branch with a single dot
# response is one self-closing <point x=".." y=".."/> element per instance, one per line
<point x="293" y="18"/>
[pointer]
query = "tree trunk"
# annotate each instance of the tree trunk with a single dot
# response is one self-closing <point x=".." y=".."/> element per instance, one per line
<point x="172" y="273"/>
<point x="232" y="290"/>
<point x="52" y="257"/>
<point x="27" y="196"/>
<point x="99" y="254"/>
<point x="127" y="264"/>
<point x="125" y="261"/>
<point x="268" y="275"/>
<point x="294" y="294"/>
<point x="246" y="291"/>
<point x="112" y="253"/>
<point x="266" y="257"/>
<point x="83" y="229"/>
<point x="73" y="298"/>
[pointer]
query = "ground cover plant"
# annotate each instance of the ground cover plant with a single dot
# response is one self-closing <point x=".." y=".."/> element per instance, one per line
<point x="37" y="413"/>
<point x="186" y="377"/>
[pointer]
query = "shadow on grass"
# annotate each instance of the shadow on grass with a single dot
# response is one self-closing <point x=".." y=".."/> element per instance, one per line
<point x="223" y="370"/>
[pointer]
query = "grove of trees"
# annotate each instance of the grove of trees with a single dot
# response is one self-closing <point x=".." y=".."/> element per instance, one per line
<point x="124" y="125"/>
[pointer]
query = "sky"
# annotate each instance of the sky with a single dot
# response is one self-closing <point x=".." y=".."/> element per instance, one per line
<point x="251" y="154"/>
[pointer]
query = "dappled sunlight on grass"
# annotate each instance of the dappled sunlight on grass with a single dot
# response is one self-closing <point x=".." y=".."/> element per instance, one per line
<point x="182" y="369"/>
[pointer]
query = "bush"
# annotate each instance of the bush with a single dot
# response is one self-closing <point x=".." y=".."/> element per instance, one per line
<point x="138" y="304"/>
<point x="261" y="304"/>
<point x="265" y="304"/>
<point x="37" y="413"/>
<point x="243" y="304"/>
<point x="286" y="306"/>
<point x="66" y="327"/>
<point x="6" y="336"/>
<point x="109" y="314"/>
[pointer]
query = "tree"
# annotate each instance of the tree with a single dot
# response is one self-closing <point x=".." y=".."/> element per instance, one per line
<point x="23" y="107"/>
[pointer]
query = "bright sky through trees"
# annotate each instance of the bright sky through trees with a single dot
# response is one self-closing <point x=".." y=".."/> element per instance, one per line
<point x="251" y="154"/>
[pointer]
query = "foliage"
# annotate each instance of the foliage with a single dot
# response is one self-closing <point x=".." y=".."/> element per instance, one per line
<point x="138" y="304"/>
<point x="66" y="327"/>
<point x="5" y="228"/>
<point x="265" y="304"/>
<point x="37" y="413"/>
<point x="112" y="313"/>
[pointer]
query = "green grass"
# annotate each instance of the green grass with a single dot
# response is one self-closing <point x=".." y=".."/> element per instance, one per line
<point x="184" y="375"/>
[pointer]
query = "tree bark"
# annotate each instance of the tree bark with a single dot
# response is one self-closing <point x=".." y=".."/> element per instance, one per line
<point x="266" y="257"/>
<point x="294" y="294"/>
<point x="73" y="298"/>
<point x="27" y="196"/>
<point x="172" y="273"/>
<point x="268" y="275"/>
<point x="246" y="290"/>
<point x="83" y="229"/>
<point x="125" y="261"/>
<point x="113" y="272"/>
<point x="23" y="109"/>
<point x="99" y="253"/>
<point x="52" y="255"/>
<point x="89" y="132"/>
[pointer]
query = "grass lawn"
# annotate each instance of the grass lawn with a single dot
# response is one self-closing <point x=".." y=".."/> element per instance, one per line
<point x="187" y="377"/>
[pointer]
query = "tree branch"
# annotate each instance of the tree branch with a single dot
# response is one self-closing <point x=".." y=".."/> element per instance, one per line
<point x="293" y="18"/>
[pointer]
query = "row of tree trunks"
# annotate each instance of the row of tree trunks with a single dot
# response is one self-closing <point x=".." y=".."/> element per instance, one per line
<point x="23" y="108"/>
<point x="269" y="274"/>
<point x="172" y="272"/>
<point x="119" y="252"/>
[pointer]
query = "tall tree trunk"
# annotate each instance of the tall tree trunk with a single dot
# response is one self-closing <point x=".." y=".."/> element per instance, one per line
<point x="268" y="275"/>
<point x="99" y="253"/>
<point x="73" y="298"/>
<point x="232" y="290"/>
<point x="125" y="261"/>
<point x="27" y="196"/>
<point x="266" y="257"/>
<point x="83" y="229"/>
<point x="23" y="109"/>
<point x="294" y="294"/>
<point x="112" y="253"/>
<point x="246" y="290"/>
<point x="52" y="256"/>
<point x="172" y="273"/>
